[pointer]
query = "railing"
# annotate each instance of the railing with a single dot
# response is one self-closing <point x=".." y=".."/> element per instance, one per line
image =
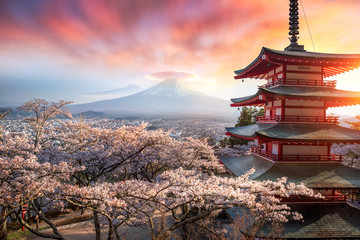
<point x="310" y="158"/>
<point x="261" y="153"/>
<point x="301" y="82"/>
<point x="294" y="158"/>
<point x="322" y="119"/>
<point x="327" y="198"/>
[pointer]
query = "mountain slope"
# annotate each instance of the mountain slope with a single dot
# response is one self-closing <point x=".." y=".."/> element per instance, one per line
<point x="170" y="98"/>
<point x="122" y="92"/>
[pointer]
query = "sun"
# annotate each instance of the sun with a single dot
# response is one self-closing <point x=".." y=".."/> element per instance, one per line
<point x="349" y="81"/>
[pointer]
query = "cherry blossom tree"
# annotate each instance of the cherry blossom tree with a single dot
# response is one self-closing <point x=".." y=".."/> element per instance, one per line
<point x="182" y="197"/>
<point x="43" y="111"/>
<point x="3" y="113"/>
<point x="126" y="176"/>
<point x="236" y="150"/>
<point x="129" y="152"/>
<point x="24" y="182"/>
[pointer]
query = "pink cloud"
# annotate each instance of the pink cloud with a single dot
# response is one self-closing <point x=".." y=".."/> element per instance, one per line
<point x="216" y="37"/>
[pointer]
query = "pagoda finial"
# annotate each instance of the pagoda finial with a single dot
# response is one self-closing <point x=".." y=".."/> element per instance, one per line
<point x="294" y="27"/>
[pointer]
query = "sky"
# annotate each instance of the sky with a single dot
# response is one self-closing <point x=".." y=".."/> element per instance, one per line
<point x="64" y="49"/>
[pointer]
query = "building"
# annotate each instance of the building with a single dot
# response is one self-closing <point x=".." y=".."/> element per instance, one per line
<point x="294" y="137"/>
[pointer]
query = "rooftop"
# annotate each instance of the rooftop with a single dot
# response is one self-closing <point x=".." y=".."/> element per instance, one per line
<point x="297" y="132"/>
<point x="334" y="97"/>
<point x="332" y="175"/>
<point x="268" y="59"/>
<point x="320" y="221"/>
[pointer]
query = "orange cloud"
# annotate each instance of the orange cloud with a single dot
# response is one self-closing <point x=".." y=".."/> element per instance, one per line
<point x="210" y="38"/>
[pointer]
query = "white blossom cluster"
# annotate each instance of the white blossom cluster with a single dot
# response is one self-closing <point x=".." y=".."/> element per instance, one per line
<point x="236" y="150"/>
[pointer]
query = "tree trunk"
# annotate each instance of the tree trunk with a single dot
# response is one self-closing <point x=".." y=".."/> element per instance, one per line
<point x="37" y="218"/>
<point x="184" y="228"/>
<point x="3" y="224"/>
<point x="111" y="230"/>
<point x="184" y="232"/>
<point x="117" y="235"/>
<point x="37" y="223"/>
<point x="97" y="226"/>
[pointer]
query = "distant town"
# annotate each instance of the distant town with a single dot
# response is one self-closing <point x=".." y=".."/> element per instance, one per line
<point x="179" y="128"/>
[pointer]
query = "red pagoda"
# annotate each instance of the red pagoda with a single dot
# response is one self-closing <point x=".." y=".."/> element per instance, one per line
<point x="294" y="137"/>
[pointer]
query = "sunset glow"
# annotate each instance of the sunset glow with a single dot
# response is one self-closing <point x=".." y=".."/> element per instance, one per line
<point x="63" y="49"/>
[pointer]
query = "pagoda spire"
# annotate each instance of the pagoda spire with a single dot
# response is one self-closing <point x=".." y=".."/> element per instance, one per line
<point x="294" y="27"/>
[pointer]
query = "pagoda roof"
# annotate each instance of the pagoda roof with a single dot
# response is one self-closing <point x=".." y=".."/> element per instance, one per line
<point x="324" y="221"/>
<point x="249" y="131"/>
<point x="320" y="221"/>
<point x="268" y="59"/>
<point x="314" y="175"/>
<point x="334" y="97"/>
<point x="297" y="132"/>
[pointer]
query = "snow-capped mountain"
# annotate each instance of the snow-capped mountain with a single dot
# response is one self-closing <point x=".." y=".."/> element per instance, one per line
<point x="119" y="92"/>
<point x="168" y="98"/>
<point x="170" y="88"/>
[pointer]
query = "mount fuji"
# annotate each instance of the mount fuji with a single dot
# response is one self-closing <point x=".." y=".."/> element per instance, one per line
<point x="167" y="99"/>
<point x="124" y="91"/>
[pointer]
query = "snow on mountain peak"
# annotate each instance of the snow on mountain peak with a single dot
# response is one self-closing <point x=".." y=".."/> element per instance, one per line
<point x="171" y="87"/>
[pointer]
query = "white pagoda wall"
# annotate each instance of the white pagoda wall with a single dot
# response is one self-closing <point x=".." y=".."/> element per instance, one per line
<point x="304" y="103"/>
<point x="304" y="112"/>
<point x="296" y="108"/>
<point x="303" y="76"/>
<point x="267" y="112"/>
<point x="275" y="149"/>
<point x="304" y="150"/>
<point x="302" y="68"/>
<point x="300" y="72"/>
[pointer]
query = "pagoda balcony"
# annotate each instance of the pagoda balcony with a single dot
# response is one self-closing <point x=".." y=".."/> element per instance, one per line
<point x="306" y="119"/>
<point x="310" y="158"/>
<point x="258" y="152"/>
<point x="327" y="198"/>
<point x="295" y="158"/>
<point x="300" y="82"/>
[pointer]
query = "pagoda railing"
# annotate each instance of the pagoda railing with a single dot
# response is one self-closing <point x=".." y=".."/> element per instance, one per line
<point x="257" y="151"/>
<point x="295" y="158"/>
<point x="310" y="158"/>
<point x="301" y="82"/>
<point x="322" y="119"/>
<point x="327" y="198"/>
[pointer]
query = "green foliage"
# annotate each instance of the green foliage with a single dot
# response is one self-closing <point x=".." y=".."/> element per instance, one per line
<point x="19" y="234"/>
<point x="224" y="142"/>
<point x="247" y="117"/>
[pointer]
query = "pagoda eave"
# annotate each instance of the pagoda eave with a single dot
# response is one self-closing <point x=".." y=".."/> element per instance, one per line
<point x="304" y="141"/>
<point x="265" y="139"/>
<point x="318" y="176"/>
<point x="288" y="132"/>
<point x="332" y="97"/>
<point x="256" y="103"/>
<point x="269" y="59"/>
<point x="242" y="137"/>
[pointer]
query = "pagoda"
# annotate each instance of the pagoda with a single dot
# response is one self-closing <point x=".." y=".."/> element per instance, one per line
<point x="294" y="137"/>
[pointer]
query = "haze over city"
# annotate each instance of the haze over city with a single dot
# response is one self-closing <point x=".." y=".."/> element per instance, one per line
<point x="68" y="49"/>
